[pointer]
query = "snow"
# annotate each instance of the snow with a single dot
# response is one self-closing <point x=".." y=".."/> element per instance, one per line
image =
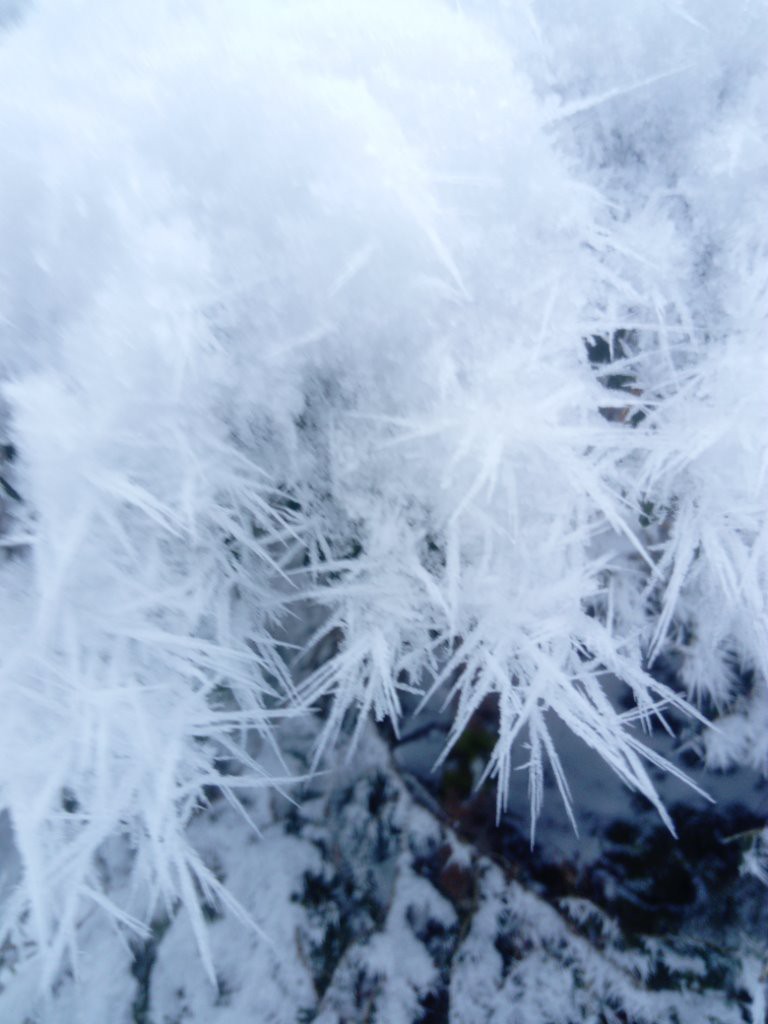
<point x="299" y="411"/>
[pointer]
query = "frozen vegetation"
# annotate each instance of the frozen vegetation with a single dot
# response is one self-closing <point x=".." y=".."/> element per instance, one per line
<point x="362" y="359"/>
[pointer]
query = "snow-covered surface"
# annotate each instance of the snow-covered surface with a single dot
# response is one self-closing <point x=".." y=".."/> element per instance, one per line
<point x="364" y="905"/>
<point x="350" y="349"/>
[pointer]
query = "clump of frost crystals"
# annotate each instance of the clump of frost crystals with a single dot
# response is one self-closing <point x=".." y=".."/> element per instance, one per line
<point x="294" y="300"/>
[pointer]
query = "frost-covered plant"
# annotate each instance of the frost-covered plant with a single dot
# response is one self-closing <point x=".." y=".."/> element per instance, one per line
<point x="354" y="349"/>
